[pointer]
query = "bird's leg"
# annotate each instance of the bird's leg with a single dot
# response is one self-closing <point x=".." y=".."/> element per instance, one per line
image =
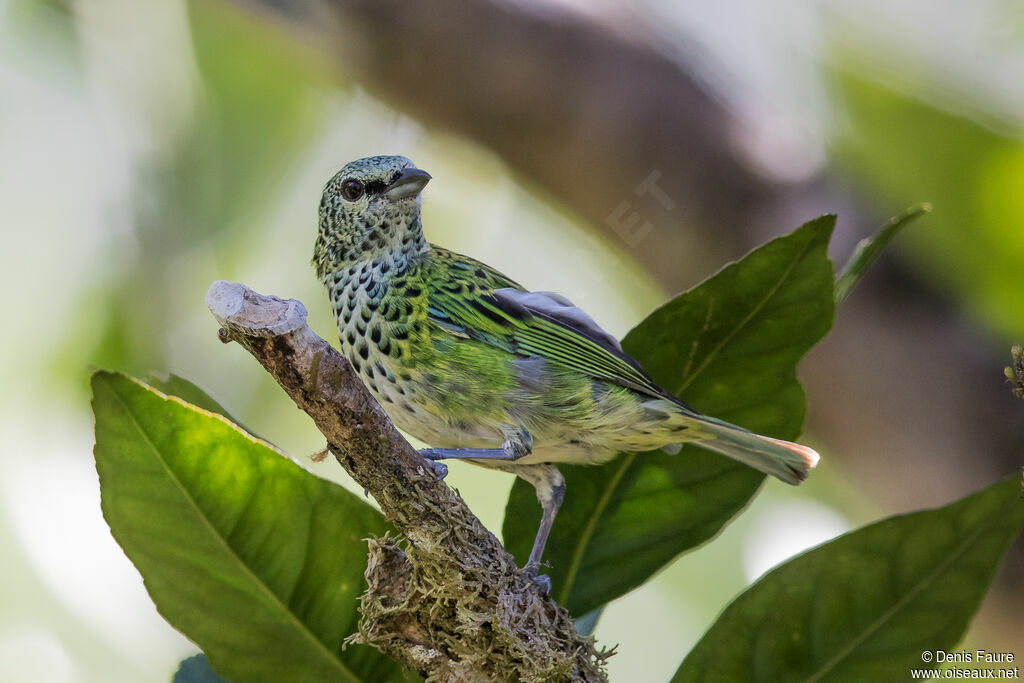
<point x="469" y="454"/>
<point x="550" y="486"/>
<point x="550" y="497"/>
<point x="518" y="443"/>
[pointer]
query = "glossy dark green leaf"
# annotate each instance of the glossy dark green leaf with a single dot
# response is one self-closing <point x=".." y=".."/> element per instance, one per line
<point x="729" y="348"/>
<point x="254" y="559"/>
<point x="865" y="606"/>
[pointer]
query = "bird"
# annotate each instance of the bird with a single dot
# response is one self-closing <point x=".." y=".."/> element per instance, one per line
<point x="479" y="368"/>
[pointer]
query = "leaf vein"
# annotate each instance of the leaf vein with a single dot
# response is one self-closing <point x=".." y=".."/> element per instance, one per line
<point x="246" y="570"/>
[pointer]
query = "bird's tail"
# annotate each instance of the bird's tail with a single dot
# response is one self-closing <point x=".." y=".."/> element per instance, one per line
<point x="788" y="461"/>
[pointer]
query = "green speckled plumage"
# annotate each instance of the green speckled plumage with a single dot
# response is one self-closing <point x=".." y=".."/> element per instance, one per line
<point x="454" y="364"/>
<point x="462" y="357"/>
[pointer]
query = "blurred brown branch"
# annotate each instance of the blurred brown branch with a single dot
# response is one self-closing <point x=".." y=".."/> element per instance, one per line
<point x="450" y="602"/>
<point x="600" y="123"/>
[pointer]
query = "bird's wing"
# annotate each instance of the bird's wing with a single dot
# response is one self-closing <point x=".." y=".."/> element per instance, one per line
<point x="472" y="300"/>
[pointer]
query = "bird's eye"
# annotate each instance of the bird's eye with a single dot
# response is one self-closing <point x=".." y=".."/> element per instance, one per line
<point x="351" y="189"/>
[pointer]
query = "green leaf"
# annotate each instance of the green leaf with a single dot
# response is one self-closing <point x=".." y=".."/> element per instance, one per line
<point x="869" y="249"/>
<point x="173" y="385"/>
<point x="196" y="669"/>
<point x="586" y="624"/>
<point x="865" y="606"/>
<point x="254" y="559"/>
<point x="729" y="348"/>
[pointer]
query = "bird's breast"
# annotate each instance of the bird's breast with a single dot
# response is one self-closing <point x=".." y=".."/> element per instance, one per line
<point x="383" y="333"/>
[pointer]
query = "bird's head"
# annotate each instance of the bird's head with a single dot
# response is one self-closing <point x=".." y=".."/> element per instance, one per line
<point x="370" y="209"/>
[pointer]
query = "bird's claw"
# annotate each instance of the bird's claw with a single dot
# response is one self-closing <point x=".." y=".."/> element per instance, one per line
<point x="542" y="580"/>
<point x="439" y="468"/>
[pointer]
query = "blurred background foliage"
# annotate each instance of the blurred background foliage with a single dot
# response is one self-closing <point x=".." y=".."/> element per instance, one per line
<point x="973" y="246"/>
<point x="151" y="148"/>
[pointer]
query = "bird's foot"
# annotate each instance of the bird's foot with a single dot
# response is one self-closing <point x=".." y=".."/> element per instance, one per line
<point x="542" y="580"/>
<point x="439" y="468"/>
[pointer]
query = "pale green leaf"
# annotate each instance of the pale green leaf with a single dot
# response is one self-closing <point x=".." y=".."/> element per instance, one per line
<point x="257" y="561"/>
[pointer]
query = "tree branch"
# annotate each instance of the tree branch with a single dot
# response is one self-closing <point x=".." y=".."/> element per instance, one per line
<point x="449" y="602"/>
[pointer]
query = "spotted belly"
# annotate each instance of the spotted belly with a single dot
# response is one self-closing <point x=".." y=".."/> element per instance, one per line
<point x="453" y="392"/>
<point x="448" y="403"/>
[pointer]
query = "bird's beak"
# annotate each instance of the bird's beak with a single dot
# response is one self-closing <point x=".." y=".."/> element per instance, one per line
<point x="409" y="184"/>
